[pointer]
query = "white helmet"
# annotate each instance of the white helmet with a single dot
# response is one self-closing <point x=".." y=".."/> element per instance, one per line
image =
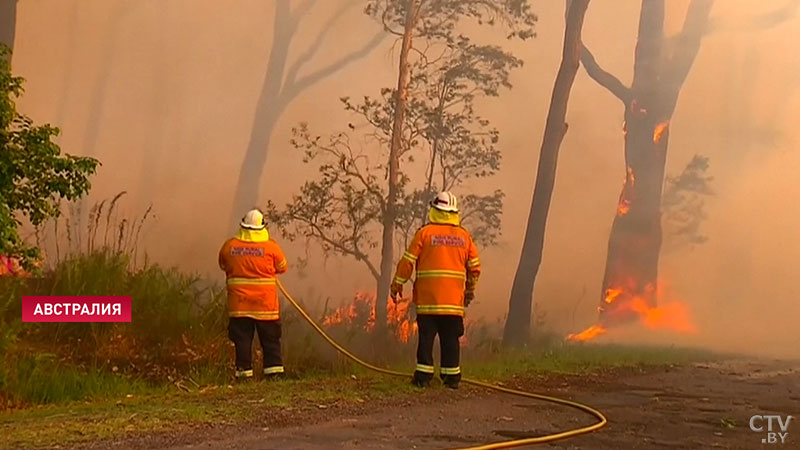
<point x="253" y="220"/>
<point x="445" y="201"/>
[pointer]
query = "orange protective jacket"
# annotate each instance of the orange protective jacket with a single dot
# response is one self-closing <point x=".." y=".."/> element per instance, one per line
<point x="251" y="265"/>
<point x="446" y="262"/>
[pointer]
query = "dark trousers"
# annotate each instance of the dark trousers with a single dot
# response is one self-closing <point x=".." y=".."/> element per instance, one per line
<point x="240" y="331"/>
<point x="449" y="329"/>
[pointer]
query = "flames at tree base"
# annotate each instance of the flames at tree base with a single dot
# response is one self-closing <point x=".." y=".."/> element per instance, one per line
<point x="621" y="307"/>
<point x="587" y="334"/>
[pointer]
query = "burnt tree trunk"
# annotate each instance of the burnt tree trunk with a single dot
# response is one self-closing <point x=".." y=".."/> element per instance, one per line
<point x="390" y="212"/>
<point x="660" y="69"/>
<point x="8" y="22"/>
<point x="518" y="322"/>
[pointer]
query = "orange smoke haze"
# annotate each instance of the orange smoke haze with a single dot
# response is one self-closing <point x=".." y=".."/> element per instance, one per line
<point x="164" y="93"/>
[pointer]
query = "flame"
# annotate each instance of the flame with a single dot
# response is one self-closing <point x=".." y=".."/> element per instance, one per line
<point x="660" y="129"/>
<point x="587" y="334"/>
<point x="672" y="315"/>
<point x="11" y="267"/>
<point x="612" y="294"/>
<point x="361" y="313"/>
<point x="624" y="207"/>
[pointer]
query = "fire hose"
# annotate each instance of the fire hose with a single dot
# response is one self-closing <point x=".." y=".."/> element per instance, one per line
<point x="601" y="419"/>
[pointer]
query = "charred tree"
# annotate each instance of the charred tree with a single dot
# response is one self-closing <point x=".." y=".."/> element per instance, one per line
<point x="661" y="66"/>
<point x="660" y="69"/>
<point x="281" y="85"/>
<point x="518" y="322"/>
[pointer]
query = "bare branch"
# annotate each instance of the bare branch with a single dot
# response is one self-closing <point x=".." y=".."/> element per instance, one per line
<point x="302" y="9"/>
<point x="314" y="77"/>
<point x="355" y="252"/>
<point x="603" y="77"/>
<point x="387" y="28"/>
<point x="291" y="75"/>
<point x="686" y="48"/>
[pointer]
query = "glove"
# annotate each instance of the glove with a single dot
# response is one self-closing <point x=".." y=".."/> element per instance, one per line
<point x="469" y="296"/>
<point x="397" y="291"/>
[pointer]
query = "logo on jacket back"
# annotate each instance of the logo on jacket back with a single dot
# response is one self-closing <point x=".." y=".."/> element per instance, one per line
<point x="448" y="241"/>
<point x="247" y="251"/>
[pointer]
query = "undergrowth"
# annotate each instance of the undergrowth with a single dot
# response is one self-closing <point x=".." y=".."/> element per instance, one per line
<point x="177" y="340"/>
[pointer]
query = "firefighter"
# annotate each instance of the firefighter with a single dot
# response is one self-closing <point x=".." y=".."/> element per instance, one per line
<point x="251" y="262"/>
<point x="447" y="271"/>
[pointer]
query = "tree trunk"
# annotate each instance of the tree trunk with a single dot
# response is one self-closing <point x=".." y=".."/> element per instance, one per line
<point x="269" y="108"/>
<point x="401" y="97"/>
<point x="8" y="22"/>
<point x="518" y="322"/>
<point x="68" y="72"/>
<point x="634" y="243"/>
<point x="162" y="92"/>
<point x="635" y="239"/>
<point x="280" y="86"/>
<point x="248" y="185"/>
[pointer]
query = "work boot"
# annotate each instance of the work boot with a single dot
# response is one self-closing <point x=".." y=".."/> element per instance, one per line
<point x="273" y="377"/>
<point x="420" y="383"/>
<point x="243" y="380"/>
<point x="451" y="381"/>
<point x="243" y="376"/>
<point x="452" y="384"/>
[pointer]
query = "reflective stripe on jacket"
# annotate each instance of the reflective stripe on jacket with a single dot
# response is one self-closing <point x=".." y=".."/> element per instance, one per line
<point x="446" y="262"/>
<point x="251" y="267"/>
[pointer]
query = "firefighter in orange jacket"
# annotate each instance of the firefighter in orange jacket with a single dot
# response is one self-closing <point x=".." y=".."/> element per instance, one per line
<point x="251" y="262"/>
<point x="447" y="271"/>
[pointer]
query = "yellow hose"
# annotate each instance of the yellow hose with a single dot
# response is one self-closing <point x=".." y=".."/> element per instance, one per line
<point x="498" y="445"/>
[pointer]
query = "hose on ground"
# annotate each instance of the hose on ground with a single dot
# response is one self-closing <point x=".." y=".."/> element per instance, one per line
<point x="601" y="419"/>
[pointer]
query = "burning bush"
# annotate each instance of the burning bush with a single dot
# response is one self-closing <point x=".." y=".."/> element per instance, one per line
<point x="11" y="267"/>
<point x="360" y="313"/>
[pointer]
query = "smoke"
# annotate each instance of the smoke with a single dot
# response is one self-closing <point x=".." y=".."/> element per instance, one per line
<point x="182" y="86"/>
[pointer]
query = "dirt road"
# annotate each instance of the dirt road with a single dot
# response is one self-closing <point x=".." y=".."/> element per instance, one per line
<point x="695" y="407"/>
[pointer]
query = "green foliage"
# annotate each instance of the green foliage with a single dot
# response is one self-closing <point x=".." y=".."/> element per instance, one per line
<point x="178" y="327"/>
<point x="683" y="205"/>
<point x="439" y="19"/>
<point x="41" y="378"/>
<point x="446" y="143"/>
<point x="33" y="173"/>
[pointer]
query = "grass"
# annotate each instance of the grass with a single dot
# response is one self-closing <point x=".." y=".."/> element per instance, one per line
<point x="65" y="424"/>
<point x="568" y="358"/>
<point x="40" y="379"/>
<point x="153" y="410"/>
